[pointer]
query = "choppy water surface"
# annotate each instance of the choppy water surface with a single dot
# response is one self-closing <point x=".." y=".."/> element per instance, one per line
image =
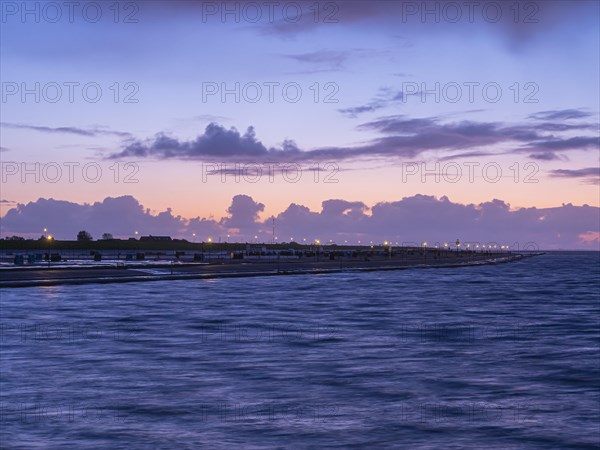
<point x="495" y="357"/>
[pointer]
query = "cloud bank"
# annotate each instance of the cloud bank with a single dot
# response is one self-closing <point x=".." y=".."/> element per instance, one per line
<point x="544" y="137"/>
<point x="408" y="220"/>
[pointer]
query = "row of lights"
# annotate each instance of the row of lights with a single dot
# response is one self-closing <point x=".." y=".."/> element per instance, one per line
<point x="477" y="246"/>
<point x="318" y="242"/>
<point x="386" y="243"/>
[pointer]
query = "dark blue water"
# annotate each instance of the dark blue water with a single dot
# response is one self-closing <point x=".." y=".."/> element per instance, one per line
<point x="495" y="357"/>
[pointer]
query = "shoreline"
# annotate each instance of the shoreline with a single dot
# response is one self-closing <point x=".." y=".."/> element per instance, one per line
<point x="56" y="276"/>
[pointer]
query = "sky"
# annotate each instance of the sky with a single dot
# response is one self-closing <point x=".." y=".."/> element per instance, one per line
<point x="345" y="121"/>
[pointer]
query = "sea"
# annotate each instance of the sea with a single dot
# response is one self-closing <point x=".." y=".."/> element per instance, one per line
<point x="496" y="357"/>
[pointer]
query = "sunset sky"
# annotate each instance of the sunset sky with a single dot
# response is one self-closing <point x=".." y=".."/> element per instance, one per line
<point x="375" y="92"/>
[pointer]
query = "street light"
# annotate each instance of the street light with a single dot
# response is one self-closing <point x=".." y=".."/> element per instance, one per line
<point x="389" y="249"/>
<point x="317" y="243"/>
<point x="209" y="241"/>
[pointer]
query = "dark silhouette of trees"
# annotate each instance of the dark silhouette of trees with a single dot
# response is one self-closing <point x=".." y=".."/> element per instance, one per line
<point x="84" y="236"/>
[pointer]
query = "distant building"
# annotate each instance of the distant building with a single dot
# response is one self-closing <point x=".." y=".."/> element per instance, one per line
<point x="156" y="238"/>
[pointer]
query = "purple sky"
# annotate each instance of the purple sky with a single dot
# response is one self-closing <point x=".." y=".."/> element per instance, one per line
<point x="138" y="118"/>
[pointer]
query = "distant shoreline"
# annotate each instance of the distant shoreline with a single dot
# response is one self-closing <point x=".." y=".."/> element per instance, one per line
<point x="133" y="245"/>
<point x="39" y="276"/>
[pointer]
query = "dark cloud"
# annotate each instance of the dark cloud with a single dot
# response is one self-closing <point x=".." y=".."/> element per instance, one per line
<point x="535" y="19"/>
<point x="560" y="127"/>
<point x="560" y="114"/>
<point x="589" y="175"/>
<point x="119" y="216"/>
<point x="409" y="220"/>
<point x="333" y="60"/>
<point x="385" y="98"/>
<point x="216" y="142"/>
<point x="432" y="134"/>
<point x="545" y="149"/>
<point x="373" y="15"/>
<point x="466" y="155"/>
<point x="89" y="132"/>
<point x="243" y="215"/>
<point x="403" y="137"/>
<point x="252" y="171"/>
<point x="369" y="16"/>
<point x="355" y="111"/>
<point x="210" y="118"/>
<point x="324" y="59"/>
<point x="577" y="173"/>
<point x="545" y="156"/>
<point x="574" y="143"/>
<point x="200" y="229"/>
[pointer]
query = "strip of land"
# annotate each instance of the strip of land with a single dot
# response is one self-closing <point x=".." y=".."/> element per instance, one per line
<point x="43" y="276"/>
